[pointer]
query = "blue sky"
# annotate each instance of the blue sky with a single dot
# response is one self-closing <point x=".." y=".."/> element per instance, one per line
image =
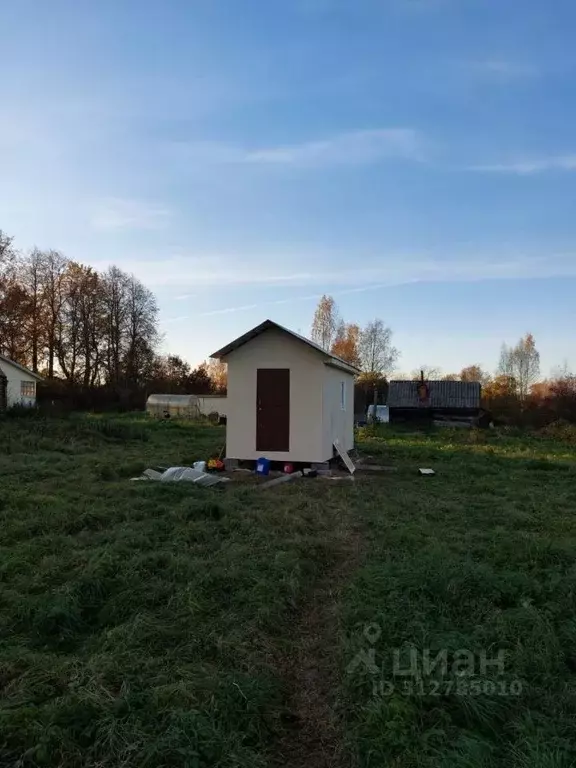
<point x="414" y="158"/>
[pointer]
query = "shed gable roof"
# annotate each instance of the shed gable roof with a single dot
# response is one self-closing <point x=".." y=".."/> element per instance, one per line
<point x="22" y="368"/>
<point x="443" y="394"/>
<point x="329" y="358"/>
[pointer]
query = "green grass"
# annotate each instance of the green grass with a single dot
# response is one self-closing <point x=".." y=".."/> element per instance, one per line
<point x="136" y="620"/>
<point x="140" y="624"/>
<point x="480" y="557"/>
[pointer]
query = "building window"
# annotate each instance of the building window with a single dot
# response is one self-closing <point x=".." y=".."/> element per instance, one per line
<point x="343" y="395"/>
<point x="28" y="388"/>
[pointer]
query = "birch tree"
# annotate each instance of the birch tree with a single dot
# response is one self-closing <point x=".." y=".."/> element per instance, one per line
<point x="325" y="322"/>
<point x="521" y="364"/>
<point x="377" y="354"/>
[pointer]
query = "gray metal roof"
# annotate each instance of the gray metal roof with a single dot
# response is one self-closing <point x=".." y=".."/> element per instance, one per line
<point x="443" y="394"/>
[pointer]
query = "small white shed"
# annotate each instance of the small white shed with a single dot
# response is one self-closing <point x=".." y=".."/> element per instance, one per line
<point x="288" y="399"/>
<point x="17" y="384"/>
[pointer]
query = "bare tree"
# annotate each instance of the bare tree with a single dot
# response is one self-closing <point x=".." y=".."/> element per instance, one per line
<point x="115" y="309"/>
<point x="7" y="252"/>
<point x="80" y="326"/>
<point x="325" y="322"/>
<point x="53" y="271"/>
<point x="92" y="325"/>
<point x="377" y="354"/>
<point x="431" y="372"/>
<point x="141" y="331"/>
<point x="506" y="362"/>
<point x="521" y="364"/>
<point x="474" y="373"/>
<point x="561" y="371"/>
<point x="30" y="269"/>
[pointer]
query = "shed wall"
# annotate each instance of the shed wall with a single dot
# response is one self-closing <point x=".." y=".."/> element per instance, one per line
<point x="337" y="423"/>
<point x="274" y="349"/>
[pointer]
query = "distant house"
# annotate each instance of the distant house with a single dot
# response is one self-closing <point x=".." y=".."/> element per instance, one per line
<point x="17" y="384"/>
<point x="409" y="400"/>
<point x="288" y="399"/>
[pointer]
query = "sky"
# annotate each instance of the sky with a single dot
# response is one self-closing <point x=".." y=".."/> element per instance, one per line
<point x="416" y="159"/>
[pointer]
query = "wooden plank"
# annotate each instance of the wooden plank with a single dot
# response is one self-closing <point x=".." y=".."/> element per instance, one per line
<point x="344" y="456"/>
<point x="280" y="480"/>
<point x="376" y="468"/>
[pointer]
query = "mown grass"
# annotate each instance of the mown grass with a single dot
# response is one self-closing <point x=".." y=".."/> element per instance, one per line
<point x="480" y="557"/>
<point x="137" y="619"/>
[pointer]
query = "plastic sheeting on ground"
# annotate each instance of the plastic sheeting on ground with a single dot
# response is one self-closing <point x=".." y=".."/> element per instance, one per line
<point x="182" y="474"/>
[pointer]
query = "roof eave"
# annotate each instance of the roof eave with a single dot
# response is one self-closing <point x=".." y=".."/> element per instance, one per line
<point x="342" y="366"/>
<point x="22" y="368"/>
<point x="241" y="340"/>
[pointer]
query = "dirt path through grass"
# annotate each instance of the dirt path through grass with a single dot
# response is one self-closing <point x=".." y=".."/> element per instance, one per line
<point x="313" y="735"/>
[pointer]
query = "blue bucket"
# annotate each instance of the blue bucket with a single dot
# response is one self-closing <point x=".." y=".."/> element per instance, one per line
<point x="263" y="466"/>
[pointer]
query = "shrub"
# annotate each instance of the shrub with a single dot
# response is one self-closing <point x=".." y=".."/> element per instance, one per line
<point x="560" y="430"/>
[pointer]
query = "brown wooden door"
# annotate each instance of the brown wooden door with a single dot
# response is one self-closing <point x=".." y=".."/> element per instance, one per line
<point x="273" y="409"/>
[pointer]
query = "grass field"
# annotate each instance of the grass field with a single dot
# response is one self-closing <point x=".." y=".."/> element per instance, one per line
<point x="170" y="625"/>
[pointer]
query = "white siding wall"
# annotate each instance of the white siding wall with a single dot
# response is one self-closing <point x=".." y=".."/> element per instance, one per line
<point x="15" y="376"/>
<point x="209" y="403"/>
<point x="273" y="349"/>
<point x="338" y="423"/>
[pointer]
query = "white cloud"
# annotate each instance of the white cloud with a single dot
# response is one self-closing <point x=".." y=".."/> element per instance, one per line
<point x="424" y="271"/>
<point x="505" y="68"/>
<point x="118" y="213"/>
<point x="362" y="147"/>
<point x="354" y="148"/>
<point x="526" y="167"/>
<point x="234" y="270"/>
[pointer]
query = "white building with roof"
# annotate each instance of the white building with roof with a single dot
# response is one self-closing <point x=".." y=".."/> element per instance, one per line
<point x="288" y="399"/>
<point x="17" y="384"/>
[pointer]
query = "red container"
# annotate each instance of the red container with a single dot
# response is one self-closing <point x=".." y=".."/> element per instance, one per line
<point x="288" y="469"/>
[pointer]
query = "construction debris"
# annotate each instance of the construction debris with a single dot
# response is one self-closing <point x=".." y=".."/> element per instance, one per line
<point x="344" y="456"/>
<point x="182" y="474"/>
<point x="281" y="479"/>
<point x="376" y="468"/>
<point x="337" y="477"/>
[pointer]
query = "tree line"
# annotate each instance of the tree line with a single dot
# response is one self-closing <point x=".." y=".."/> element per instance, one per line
<point x="514" y="392"/>
<point x="86" y="331"/>
<point x="369" y="349"/>
<point x="94" y="336"/>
